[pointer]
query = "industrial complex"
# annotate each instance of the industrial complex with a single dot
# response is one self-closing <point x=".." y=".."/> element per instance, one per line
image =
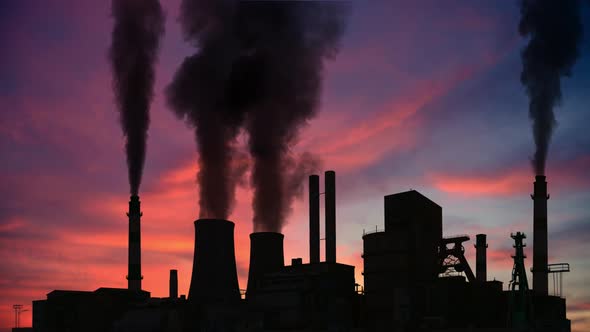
<point x="414" y="280"/>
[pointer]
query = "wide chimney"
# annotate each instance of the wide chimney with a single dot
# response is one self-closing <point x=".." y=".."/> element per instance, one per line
<point x="330" y="209"/>
<point x="214" y="279"/>
<point x="314" y="218"/>
<point x="540" y="273"/>
<point x="481" y="264"/>
<point x="266" y="256"/>
<point x="134" y="260"/>
<point x="173" y="284"/>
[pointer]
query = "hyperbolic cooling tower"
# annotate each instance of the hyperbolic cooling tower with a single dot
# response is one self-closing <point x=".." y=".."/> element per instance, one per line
<point x="214" y="279"/>
<point x="266" y="256"/>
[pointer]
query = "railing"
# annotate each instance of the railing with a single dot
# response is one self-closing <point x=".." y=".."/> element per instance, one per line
<point x="376" y="230"/>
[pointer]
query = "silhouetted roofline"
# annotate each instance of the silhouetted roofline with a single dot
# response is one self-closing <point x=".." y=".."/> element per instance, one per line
<point x="414" y="193"/>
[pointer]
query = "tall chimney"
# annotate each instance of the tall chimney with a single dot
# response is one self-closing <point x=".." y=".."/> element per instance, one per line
<point x="134" y="259"/>
<point x="266" y="256"/>
<point x="481" y="268"/>
<point x="314" y="218"/>
<point x="214" y="279"/>
<point x="173" y="284"/>
<point x="330" y="209"/>
<point x="540" y="273"/>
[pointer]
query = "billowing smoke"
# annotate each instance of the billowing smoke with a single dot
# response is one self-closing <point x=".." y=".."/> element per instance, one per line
<point x="258" y="66"/>
<point x="139" y="24"/>
<point x="199" y="95"/>
<point x="278" y="76"/>
<point x="555" y="32"/>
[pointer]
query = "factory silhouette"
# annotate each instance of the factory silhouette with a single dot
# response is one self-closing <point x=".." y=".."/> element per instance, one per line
<point x="258" y="67"/>
<point x="414" y="280"/>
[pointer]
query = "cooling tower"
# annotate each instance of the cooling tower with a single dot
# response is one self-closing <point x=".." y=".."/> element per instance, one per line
<point x="540" y="197"/>
<point x="266" y="255"/>
<point x="214" y="279"/>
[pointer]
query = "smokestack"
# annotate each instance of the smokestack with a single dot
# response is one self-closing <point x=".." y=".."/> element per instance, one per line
<point x="173" y="284"/>
<point x="540" y="273"/>
<point x="330" y="210"/>
<point x="481" y="263"/>
<point x="214" y="279"/>
<point x="134" y="268"/>
<point x="314" y="218"/>
<point x="266" y="256"/>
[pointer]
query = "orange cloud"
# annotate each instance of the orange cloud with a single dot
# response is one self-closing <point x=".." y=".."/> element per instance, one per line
<point x="566" y="174"/>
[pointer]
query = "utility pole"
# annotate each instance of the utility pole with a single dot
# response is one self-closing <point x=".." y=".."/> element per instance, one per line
<point x="17" y="310"/>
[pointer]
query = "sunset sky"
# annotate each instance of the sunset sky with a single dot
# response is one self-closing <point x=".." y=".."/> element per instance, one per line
<point x="424" y="95"/>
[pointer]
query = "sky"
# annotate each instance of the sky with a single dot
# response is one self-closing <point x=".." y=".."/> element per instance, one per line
<point x="423" y="95"/>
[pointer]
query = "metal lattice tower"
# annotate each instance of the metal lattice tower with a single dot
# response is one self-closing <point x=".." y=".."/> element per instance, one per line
<point x="519" y="304"/>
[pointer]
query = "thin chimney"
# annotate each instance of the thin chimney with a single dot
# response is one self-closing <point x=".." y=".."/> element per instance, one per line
<point x="134" y="276"/>
<point x="540" y="273"/>
<point x="173" y="284"/>
<point x="481" y="267"/>
<point x="314" y="218"/>
<point x="330" y="209"/>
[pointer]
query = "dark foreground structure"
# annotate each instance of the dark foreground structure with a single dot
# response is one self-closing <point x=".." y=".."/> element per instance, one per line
<point x="414" y="280"/>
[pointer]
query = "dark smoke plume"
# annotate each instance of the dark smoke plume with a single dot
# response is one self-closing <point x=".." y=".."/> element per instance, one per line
<point x="258" y="66"/>
<point x="278" y="80"/>
<point x="555" y="32"/>
<point x="139" y="24"/>
<point x="198" y="95"/>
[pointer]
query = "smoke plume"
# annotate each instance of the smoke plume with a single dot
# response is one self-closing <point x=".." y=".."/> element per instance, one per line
<point x="139" y="24"/>
<point x="198" y="95"/>
<point x="278" y="81"/>
<point x="258" y="66"/>
<point x="555" y="31"/>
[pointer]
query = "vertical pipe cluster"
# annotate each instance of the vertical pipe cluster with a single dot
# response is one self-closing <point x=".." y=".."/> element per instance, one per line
<point x="173" y="284"/>
<point x="314" y="218"/>
<point x="540" y="273"/>
<point x="134" y="264"/>
<point x="330" y="208"/>
<point x="481" y="258"/>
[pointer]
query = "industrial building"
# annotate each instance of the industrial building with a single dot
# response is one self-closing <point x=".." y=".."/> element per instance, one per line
<point x="414" y="280"/>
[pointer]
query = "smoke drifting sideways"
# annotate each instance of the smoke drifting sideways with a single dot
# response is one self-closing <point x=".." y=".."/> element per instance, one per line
<point x="278" y="80"/>
<point x="198" y="95"/>
<point x="138" y="28"/>
<point x="555" y="32"/>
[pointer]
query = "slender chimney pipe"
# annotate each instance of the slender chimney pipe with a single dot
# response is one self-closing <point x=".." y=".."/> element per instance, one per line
<point x="481" y="263"/>
<point x="540" y="273"/>
<point x="134" y="276"/>
<point x="314" y="218"/>
<point x="330" y="207"/>
<point x="266" y="256"/>
<point x="173" y="284"/>
<point x="214" y="279"/>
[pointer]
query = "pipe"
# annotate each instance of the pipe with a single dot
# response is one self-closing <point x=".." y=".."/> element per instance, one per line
<point x="481" y="258"/>
<point x="134" y="276"/>
<point x="214" y="278"/>
<point x="540" y="250"/>
<point x="330" y="206"/>
<point x="266" y="256"/>
<point x="173" y="284"/>
<point x="314" y="218"/>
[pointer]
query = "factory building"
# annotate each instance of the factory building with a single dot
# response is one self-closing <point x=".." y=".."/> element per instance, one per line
<point x="414" y="280"/>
